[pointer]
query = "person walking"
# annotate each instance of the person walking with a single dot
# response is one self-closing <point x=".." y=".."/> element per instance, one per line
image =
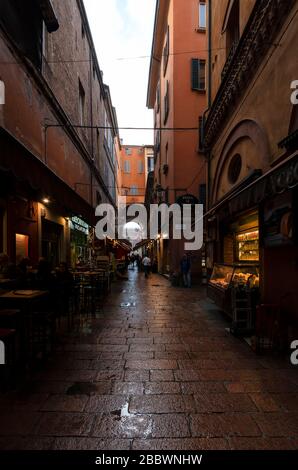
<point x="185" y="267"/>
<point x="146" y="264"/>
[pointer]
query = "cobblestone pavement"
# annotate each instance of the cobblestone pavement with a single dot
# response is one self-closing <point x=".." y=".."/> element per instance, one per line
<point x="157" y="372"/>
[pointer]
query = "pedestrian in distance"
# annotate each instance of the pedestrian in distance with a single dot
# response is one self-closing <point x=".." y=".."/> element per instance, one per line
<point x="185" y="267"/>
<point x="146" y="264"/>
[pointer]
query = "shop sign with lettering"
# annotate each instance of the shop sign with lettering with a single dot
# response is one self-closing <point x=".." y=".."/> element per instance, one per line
<point x="78" y="224"/>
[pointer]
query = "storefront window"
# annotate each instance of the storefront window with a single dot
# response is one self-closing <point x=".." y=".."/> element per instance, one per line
<point x="247" y="246"/>
<point x="22" y="246"/>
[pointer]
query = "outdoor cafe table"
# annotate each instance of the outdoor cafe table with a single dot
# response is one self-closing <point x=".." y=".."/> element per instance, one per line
<point x="27" y="302"/>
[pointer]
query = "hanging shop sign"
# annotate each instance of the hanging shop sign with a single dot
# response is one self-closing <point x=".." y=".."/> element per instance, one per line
<point x="285" y="179"/>
<point x="78" y="224"/>
<point x="187" y="199"/>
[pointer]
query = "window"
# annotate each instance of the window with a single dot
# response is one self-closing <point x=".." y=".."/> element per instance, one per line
<point x="23" y="23"/>
<point x="167" y="153"/>
<point x="22" y="246"/>
<point x="202" y="15"/>
<point x="166" y="103"/>
<point x="198" y="74"/>
<point x="235" y="168"/>
<point x="107" y="125"/>
<point x="141" y="151"/>
<point x="134" y="190"/>
<point x="81" y="103"/>
<point x="126" y="167"/>
<point x="150" y="164"/>
<point x="158" y="98"/>
<point x="157" y="140"/>
<point x="44" y="40"/>
<point x="233" y="27"/>
<point x="166" y="51"/>
<point x="140" y="168"/>
<point x="127" y="151"/>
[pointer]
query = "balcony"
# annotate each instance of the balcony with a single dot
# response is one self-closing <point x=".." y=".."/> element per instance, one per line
<point x="229" y="60"/>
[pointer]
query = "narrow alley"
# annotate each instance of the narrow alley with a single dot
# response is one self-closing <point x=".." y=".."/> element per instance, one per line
<point x="157" y="370"/>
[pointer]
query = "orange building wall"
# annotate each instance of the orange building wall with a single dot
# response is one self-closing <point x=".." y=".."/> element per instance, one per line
<point x="186" y="166"/>
<point x="134" y="178"/>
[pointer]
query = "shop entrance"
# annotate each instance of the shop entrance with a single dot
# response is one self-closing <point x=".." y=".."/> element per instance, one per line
<point x="51" y="241"/>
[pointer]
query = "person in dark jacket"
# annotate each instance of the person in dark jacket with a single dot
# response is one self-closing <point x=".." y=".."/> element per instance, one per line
<point x="185" y="267"/>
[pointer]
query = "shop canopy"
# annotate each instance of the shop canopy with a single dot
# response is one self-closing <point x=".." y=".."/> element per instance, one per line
<point x="279" y="179"/>
<point x="141" y="244"/>
<point x="25" y="167"/>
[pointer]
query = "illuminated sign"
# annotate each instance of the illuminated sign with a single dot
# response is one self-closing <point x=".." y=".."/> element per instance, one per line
<point x="78" y="224"/>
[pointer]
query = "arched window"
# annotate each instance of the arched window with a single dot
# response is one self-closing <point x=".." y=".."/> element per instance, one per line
<point x="235" y="167"/>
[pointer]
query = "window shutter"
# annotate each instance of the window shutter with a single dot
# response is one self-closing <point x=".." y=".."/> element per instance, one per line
<point x="195" y="66"/>
<point x="141" y="168"/>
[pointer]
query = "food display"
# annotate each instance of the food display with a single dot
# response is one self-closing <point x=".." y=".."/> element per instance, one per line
<point x="225" y="276"/>
<point x="246" y="276"/>
<point x="226" y="279"/>
<point x="221" y="276"/>
<point x="247" y="246"/>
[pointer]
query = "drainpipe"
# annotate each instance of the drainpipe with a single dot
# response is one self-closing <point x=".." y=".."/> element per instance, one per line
<point x="209" y="84"/>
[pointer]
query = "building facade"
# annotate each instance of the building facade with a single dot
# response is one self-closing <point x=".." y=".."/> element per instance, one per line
<point x="58" y="130"/>
<point x="133" y="161"/>
<point x="250" y="140"/>
<point x="177" y="94"/>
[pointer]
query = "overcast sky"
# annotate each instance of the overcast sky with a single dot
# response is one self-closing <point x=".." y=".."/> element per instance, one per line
<point x="124" y="29"/>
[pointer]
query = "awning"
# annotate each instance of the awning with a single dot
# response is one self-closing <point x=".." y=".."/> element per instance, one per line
<point x="25" y="167"/>
<point x="125" y="244"/>
<point x="281" y="178"/>
<point x="141" y="244"/>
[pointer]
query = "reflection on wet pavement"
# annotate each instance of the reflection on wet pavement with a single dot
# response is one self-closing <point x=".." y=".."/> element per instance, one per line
<point x="154" y="369"/>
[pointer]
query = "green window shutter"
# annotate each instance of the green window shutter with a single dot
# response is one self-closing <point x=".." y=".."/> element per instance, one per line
<point x="195" y="65"/>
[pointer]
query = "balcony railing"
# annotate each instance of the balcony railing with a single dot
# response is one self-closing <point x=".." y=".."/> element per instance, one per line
<point x="230" y="58"/>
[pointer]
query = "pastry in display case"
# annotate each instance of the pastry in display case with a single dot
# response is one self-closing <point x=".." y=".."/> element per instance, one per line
<point x="227" y="278"/>
<point x="221" y="276"/>
<point x="247" y="246"/>
<point x="247" y="276"/>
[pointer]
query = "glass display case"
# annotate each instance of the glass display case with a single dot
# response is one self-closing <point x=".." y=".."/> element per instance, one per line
<point x="246" y="276"/>
<point x="247" y="246"/>
<point x="227" y="277"/>
<point x="221" y="276"/>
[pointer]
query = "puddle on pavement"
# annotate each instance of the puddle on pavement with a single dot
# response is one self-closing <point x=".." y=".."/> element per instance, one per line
<point x="124" y="411"/>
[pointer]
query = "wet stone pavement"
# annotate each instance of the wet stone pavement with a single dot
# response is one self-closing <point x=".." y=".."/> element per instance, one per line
<point x="155" y="369"/>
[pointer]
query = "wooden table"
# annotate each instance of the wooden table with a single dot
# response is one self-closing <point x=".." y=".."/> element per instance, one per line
<point x="23" y="294"/>
<point x="27" y="302"/>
